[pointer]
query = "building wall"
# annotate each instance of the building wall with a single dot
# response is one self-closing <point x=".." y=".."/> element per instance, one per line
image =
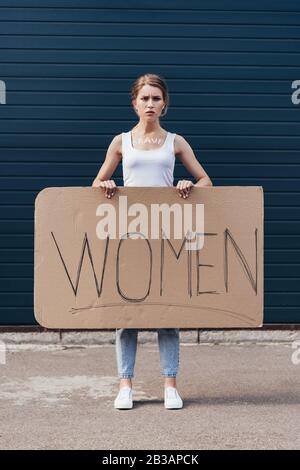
<point x="68" y="67"/>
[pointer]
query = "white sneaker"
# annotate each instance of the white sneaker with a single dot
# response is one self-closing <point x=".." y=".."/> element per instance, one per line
<point x="172" y="398"/>
<point x="124" y="399"/>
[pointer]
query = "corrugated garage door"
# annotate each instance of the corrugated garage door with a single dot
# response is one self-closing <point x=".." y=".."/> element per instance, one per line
<point x="68" y="67"/>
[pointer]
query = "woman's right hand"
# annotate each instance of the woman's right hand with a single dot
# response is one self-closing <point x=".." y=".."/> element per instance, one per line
<point x="109" y="187"/>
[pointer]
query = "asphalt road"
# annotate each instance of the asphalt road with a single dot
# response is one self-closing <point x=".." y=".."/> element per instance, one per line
<point x="235" y="397"/>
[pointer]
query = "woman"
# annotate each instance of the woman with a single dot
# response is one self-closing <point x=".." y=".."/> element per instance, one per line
<point x="150" y="99"/>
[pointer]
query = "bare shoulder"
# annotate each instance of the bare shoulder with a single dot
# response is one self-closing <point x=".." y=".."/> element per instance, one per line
<point x="116" y="144"/>
<point x="179" y="144"/>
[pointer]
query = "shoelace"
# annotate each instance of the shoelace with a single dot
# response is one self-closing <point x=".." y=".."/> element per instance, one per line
<point x="124" y="391"/>
<point x="171" y="392"/>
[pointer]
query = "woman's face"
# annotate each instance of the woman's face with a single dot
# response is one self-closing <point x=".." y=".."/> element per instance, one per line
<point x="149" y="99"/>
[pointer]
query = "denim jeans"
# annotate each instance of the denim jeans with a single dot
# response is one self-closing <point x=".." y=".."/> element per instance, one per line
<point x="126" y="346"/>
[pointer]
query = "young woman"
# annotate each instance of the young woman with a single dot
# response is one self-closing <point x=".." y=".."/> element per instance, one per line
<point x="150" y="100"/>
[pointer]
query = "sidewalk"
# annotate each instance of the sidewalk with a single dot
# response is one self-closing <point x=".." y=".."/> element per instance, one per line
<point x="235" y="397"/>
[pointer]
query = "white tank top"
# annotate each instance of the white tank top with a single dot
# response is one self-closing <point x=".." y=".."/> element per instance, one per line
<point x="153" y="167"/>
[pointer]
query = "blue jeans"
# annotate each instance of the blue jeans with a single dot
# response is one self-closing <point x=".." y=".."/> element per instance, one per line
<point x="126" y="345"/>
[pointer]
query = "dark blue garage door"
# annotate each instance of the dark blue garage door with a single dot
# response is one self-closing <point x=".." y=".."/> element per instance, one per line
<point x="68" y="67"/>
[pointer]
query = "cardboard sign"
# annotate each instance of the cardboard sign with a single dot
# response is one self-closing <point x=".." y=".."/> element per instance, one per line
<point x="147" y="258"/>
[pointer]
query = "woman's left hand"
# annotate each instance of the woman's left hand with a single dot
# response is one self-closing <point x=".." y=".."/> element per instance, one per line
<point x="184" y="187"/>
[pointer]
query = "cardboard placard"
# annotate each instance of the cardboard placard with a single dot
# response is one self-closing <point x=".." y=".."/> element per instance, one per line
<point x="141" y="281"/>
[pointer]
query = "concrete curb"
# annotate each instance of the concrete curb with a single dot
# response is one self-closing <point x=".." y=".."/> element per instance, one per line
<point x="246" y="336"/>
<point x="15" y="340"/>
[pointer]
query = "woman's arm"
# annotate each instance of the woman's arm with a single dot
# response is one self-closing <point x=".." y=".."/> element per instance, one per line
<point x="112" y="159"/>
<point x="187" y="157"/>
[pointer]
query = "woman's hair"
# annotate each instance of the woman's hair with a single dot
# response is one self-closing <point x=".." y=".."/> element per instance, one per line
<point x="153" y="80"/>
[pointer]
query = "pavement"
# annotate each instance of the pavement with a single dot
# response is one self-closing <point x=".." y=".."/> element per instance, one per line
<point x="236" y="396"/>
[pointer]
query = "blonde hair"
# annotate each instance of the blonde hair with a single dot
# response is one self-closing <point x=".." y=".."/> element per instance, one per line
<point x="153" y="80"/>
